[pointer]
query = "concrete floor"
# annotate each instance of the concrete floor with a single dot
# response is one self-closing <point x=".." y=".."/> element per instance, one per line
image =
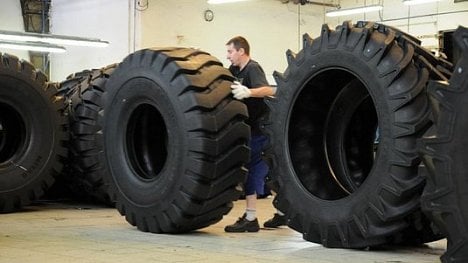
<point x="59" y="232"/>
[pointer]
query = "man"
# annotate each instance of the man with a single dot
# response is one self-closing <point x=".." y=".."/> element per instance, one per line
<point x="251" y="87"/>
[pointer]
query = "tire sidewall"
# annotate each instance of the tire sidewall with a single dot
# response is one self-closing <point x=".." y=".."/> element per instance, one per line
<point x="28" y="165"/>
<point x="290" y="185"/>
<point x="125" y="91"/>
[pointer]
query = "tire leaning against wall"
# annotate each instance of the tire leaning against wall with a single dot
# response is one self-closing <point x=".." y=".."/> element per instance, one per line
<point x="32" y="133"/>
<point x="444" y="153"/>
<point x="330" y="100"/>
<point x="175" y="140"/>
<point x="83" y="93"/>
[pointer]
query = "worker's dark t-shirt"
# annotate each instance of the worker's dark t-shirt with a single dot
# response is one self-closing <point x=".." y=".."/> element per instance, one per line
<point x="252" y="76"/>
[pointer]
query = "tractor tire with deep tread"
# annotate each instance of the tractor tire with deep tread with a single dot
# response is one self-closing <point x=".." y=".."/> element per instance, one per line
<point x="33" y="133"/>
<point x="444" y="148"/>
<point x="175" y="140"/>
<point x="345" y="91"/>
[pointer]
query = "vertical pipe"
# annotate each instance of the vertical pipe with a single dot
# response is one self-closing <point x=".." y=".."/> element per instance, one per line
<point x="299" y="27"/>
<point x="44" y="56"/>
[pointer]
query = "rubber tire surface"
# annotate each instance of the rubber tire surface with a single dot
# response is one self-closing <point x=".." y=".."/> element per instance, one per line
<point x="395" y="80"/>
<point x="83" y="92"/>
<point x="33" y="133"/>
<point x="175" y="140"/>
<point x="444" y="150"/>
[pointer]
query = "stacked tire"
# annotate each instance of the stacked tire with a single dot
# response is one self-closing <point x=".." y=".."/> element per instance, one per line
<point x="347" y="115"/>
<point x="84" y="173"/>
<point x="33" y="133"/>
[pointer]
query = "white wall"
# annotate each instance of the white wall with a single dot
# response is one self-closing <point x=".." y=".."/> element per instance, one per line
<point x="104" y="19"/>
<point x="11" y="19"/>
<point x="270" y="26"/>
<point x="273" y="27"/>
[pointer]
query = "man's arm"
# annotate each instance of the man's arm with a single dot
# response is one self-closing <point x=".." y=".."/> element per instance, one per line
<point x="261" y="92"/>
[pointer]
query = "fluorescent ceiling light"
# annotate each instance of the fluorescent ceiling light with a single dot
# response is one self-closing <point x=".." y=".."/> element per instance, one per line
<point x="418" y="2"/>
<point x="32" y="46"/>
<point x="52" y="39"/>
<point x="356" y="10"/>
<point x="224" y="1"/>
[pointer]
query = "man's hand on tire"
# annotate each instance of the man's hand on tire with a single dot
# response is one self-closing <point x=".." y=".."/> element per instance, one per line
<point x="240" y="91"/>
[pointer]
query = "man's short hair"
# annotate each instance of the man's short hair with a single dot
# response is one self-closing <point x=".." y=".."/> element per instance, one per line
<point x="240" y="42"/>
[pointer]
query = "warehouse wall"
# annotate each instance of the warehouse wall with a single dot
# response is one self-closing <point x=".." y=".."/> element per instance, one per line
<point x="11" y="19"/>
<point x="270" y="26"/>
<point x="273" y="27"/>
<point x="104" y="19"/>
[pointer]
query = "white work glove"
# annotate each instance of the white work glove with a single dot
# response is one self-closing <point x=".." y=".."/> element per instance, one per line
<point x="240" y="91"/>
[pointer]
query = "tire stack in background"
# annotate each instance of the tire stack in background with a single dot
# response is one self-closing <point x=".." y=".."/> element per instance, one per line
<point x="160" y="137"/>
<point x="84" y="172"/>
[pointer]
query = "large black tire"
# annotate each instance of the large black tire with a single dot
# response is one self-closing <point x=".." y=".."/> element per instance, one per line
<point x="175" y="141"/>
<point x="444" y="149"/>
<point x="32" y="133"/>
<point x="84" y="179"/>
<point x="335" y="187"/>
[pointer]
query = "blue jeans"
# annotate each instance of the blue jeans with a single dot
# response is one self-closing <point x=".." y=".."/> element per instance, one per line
<point x="258" y="169"/>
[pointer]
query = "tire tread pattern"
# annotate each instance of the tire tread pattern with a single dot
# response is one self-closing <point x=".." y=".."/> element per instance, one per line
<point x="443" y="150"/>
<point x="398" y="194"/>
<point x="217" y="150"/>
<point x="83" y="92"/>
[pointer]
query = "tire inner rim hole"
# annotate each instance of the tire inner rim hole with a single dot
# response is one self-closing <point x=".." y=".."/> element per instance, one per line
<point x="147" y="141"/>
<point x="350" y="133"/>
<point x="12" y="132"/>
<point x="332" y="132"/>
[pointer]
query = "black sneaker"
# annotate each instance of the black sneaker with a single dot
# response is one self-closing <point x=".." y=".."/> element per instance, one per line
<point x="243" y="225"/>
<point x="276" y="221"/>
